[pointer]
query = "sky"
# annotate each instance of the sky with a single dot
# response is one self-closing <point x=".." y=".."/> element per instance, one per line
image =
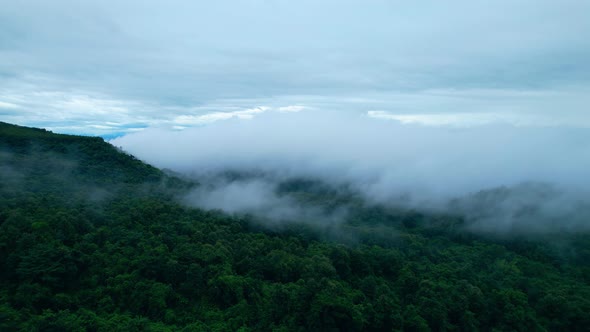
<point x="113" y="68"/>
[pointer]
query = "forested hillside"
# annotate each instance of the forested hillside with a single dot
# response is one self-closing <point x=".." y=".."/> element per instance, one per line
<point x="92" y="239"/>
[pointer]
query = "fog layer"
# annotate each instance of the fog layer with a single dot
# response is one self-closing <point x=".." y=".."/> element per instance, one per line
<point x="442" y="168"/>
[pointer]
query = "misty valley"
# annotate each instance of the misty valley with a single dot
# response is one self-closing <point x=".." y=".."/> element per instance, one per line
<point x="94" y="239"/>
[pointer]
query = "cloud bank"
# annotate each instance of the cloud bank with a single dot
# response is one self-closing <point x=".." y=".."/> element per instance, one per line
<point x="439" y="168"/>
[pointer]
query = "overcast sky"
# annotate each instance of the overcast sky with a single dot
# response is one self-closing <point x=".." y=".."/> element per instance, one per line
<point x="111" y="67"/>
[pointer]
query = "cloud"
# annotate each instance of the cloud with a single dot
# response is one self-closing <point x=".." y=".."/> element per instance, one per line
<point x="260" y="197"/>
<point x="6" y="105"/>
<point x="388" y="162"/>
<point x="156" y="61"/>
<point x="80" y="112"/>
<point x="527" y="208"/>
<point x="83" y="112"/>
<point x="217" y="116"/>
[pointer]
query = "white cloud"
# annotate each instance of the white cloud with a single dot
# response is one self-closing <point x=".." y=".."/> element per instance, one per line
<point x="217" y="116"/>
<point x="292" y="108"/>
<point x="88" y="112"/>
<point x="8" y="105"/>
<point x="389" y="162"/>
<point x="480" y="119"/>
<point x="383" y="153"/>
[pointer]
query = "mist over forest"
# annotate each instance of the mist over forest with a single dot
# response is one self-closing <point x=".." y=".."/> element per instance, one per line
<point x="502" y="178"/>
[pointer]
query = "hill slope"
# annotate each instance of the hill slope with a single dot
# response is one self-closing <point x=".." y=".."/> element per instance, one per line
<point x="91" y="158"/>
<point x="93" y="239"/>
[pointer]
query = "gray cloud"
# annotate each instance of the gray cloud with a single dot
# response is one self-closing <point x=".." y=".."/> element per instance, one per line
<point x="412" y="166"/>
<point x="259" y="196"/>
<point x="158" y="61"/>
<point x="526" y="208"/>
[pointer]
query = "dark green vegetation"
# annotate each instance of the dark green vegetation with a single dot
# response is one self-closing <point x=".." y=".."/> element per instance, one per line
<point x="93" y="239"/>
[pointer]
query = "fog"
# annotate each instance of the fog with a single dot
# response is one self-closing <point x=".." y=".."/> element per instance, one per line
<point x="260" y="197"/>
<point x="499" y="176"/>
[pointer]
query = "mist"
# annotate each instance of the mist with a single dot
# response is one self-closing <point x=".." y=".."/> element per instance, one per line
<point x="501" y="177"/>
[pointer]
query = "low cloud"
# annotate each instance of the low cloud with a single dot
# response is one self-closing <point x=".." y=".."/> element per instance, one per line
<point x="434" y="168"/>
<point x="527" y="208"/>
<point x="259" y="196"/>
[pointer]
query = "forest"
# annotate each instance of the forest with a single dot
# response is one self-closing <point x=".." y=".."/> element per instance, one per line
<point x="93" y="239"/>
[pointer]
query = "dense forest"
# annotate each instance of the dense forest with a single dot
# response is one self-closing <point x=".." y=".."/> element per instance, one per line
<point x="93" y="239"/>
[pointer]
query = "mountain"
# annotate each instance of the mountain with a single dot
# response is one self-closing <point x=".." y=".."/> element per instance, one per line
<point x="90" y="158"/>
<point x="93" y="239"/>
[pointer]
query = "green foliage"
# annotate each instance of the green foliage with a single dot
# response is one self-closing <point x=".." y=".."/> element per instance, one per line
<point x="91" y="240"/>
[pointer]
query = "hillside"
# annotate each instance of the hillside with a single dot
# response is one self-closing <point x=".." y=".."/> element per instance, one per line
<point x="92" y="239"/>
<point x="90" y="158"/>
